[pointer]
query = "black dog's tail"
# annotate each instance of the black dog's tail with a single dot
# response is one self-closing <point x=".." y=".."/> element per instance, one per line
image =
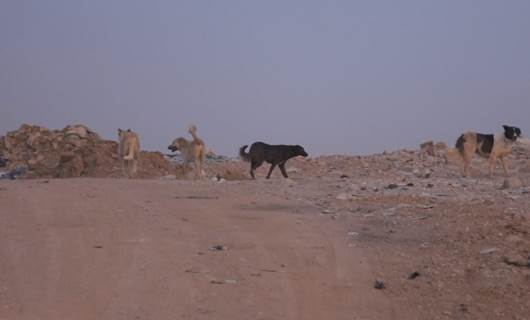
<point x="459" y="145"/>
<point x="245" y="156"/>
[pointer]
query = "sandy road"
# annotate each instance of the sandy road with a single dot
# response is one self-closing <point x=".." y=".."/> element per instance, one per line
<point x="119" y="249"/>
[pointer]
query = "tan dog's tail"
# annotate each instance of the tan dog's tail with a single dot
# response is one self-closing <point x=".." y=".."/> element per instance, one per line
<point x="245" y="156"/>
<point x="193" y="131"/>
<point x="131" y="153"/>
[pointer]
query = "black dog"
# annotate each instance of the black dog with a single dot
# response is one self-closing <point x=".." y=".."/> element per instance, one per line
<point x="276" y="155"/>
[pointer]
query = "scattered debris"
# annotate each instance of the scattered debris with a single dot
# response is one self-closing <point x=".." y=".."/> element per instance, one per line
<point x="489" y="250"/>
<point x="3" y="162"/>
<point x="13" y="174"/>
<point x="197" y="197"/>
<point x="517" y="262"/>
<point x="218" y="247"/>
<point x="391" y="186"/>
<point x="344" y="196"/>
<point x="379" y="285"/>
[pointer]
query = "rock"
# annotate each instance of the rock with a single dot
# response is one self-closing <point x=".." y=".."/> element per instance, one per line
<point x="489" y="251"/>
<point x="517" y="261"/>
<point x="78" y="130"/>
<point x="512" y="183"/>
<point x="440" y="146"/>
<point x="218" y="247"/>
<point x="344" y="196"/>
<point x="13" y="174"/>
<point x="422" y="173"/>
<point x="379" y="285"/>
<point x="392" y="186"/>
<point x="428" y="147"/>
<point x="3" y="162"/>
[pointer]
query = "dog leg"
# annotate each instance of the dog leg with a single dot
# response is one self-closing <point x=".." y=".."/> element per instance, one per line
<point x="493" y="164"/>
<point x="253" y="166"/>
<point x="504" y="166"/>
<point x="197" y="168"/>
<point x="134" y="168"/>
<point x="282" y="169"/>
<point x="123" y="168"/>
<point x="270" y="170"/>
<point x="466" y="166"/>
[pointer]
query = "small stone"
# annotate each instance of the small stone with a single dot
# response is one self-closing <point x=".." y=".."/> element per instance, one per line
<point x="379" y="285"/>
<point x="343" y="196"/>
<point x="489" y="250"/>
<point x="392" y="186"/>
<point x="218" y="247"/>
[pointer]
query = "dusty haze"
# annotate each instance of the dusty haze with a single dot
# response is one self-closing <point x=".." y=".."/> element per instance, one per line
<point x="334" y="76"/>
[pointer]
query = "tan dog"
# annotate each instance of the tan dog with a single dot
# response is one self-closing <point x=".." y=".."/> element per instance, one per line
<point x="192" y="151"/>
<point x="129" y="152"/>
<point x="488" y="146"/>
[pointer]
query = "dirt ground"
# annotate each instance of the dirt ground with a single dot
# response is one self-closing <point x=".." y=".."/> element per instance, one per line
<point x="309" y="247"/>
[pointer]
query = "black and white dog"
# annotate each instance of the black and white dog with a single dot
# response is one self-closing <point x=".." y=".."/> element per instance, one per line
<point x="276" y="155"/>
<point x="494" y="147"/>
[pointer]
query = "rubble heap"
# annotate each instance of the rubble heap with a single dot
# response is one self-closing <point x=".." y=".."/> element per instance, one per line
<point x="74" y="151"/>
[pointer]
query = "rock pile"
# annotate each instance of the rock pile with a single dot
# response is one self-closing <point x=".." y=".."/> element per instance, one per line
<point x="74" y="151"/>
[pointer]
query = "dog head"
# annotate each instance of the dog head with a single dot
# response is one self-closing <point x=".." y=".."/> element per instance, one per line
<point x="300" y="151"/>
<point x="177" y="144"/>
<point x="122" y="133"/>
<point x="511" y="133"/>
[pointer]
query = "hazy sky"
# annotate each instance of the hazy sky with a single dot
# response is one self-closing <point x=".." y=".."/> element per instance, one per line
<point x="334" y="76"/>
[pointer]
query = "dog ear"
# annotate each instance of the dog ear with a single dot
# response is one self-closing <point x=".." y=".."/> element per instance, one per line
<point x="506" y="128"/>
<point x="120" y="130"/>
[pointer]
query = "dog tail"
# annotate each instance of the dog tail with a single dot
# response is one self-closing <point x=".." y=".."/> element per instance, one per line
<point x="129" y="155"/>
<point x="133" y="151"/>
<point x="245" y="156"/>
<point x="459" y="145"/>
<point x="193" y="131"/>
